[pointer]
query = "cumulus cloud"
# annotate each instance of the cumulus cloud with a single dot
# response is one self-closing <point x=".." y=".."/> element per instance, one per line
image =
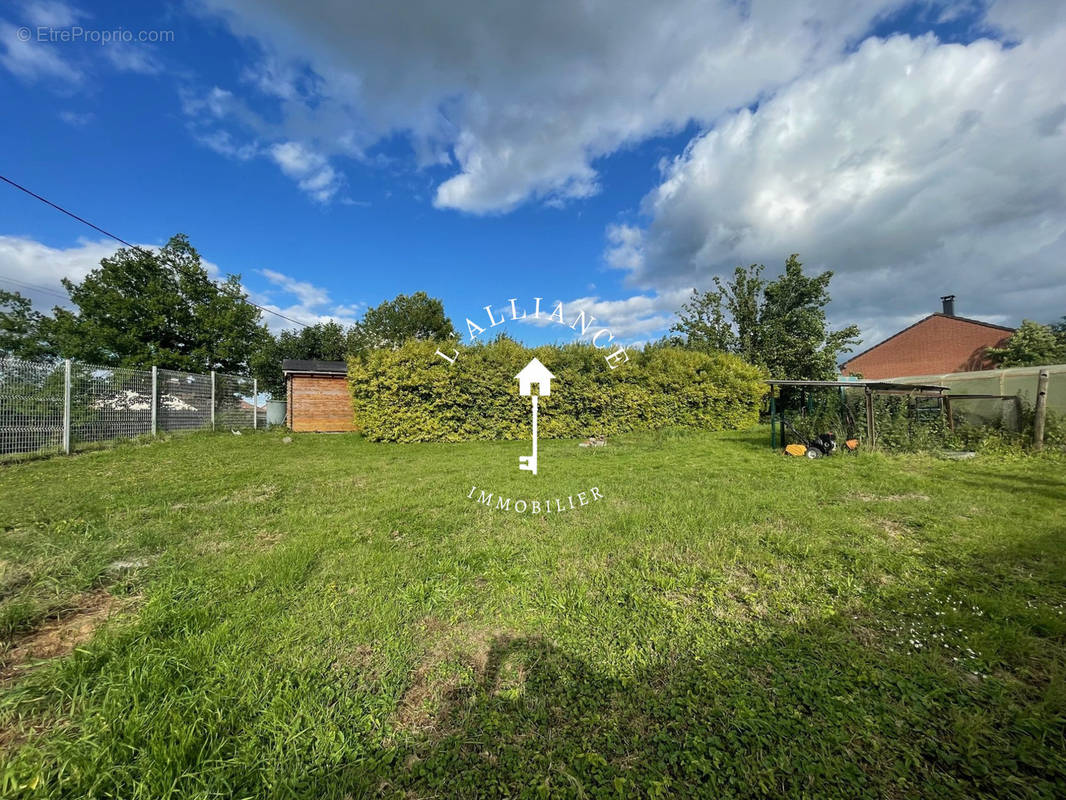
<point x="631" y="319"/>
<point x="310" y="170"/>
<point x="34" y="269"/>
<point x="912" y="168"/>
<point x="524" y="98"/>
<point x="636" y="317"/>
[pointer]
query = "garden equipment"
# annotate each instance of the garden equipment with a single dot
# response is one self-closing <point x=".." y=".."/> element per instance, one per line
<point x="821" y="445"/>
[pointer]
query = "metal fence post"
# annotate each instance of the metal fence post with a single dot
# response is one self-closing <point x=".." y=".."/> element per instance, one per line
<point x="1040" y="410"/>
<point x="66" y="406"/>
<point x="212" y="399"/>
<point x="871" y="428"/>
<point x="255" y="403"/>
<point x="155" y="398"/>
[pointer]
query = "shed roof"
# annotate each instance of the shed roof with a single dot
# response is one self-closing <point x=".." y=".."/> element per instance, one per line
<point x="313" y="366"/>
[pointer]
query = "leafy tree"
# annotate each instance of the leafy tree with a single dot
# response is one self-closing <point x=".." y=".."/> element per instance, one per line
<point x="324" y="340"/>
<point x="778" y="324"/>
<point x="143" y="308"/>
<point x="1032" y="344"/>
<point x="389" y="325"/>
<point x="1059" y="328"/>
<point x="23" y="332"/>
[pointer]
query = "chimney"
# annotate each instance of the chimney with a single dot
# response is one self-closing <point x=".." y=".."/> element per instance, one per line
<point x="949" y="305"/>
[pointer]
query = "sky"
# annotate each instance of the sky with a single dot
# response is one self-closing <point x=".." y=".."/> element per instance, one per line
<point x="610" y="154"/>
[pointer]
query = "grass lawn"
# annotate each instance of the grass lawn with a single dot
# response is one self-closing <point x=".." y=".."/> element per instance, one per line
<point x="335" y="618"/>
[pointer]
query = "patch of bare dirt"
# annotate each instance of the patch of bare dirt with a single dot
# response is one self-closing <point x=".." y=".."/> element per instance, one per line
<point x="268" y="538"/>
<point x="455" y="665"/>
<point x="58" y="636"/>
<point x="892" y="529"/>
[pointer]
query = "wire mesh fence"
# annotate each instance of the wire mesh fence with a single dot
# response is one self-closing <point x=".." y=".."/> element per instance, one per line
<point x="50" y="407"/>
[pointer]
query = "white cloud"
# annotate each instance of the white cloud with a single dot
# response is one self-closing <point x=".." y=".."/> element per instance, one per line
<point x="638" y="316"/>
<point x="525" y="98"/>
<point x="225" y="123"/>
<point x="308" y="294"/>
<point x="28" y="50"/>
<point x="630" y="319"/>
<point x="314" y="303"/>
<point x="26" y="261"/>
<point x="310" y="170"/>
<point x="912" y="168"/>
<point x="34" y="270"/>
<point x="32" y="60"/>
<point x="276" y="79"/>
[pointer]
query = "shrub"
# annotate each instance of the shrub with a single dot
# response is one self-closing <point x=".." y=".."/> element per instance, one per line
<point x="412" y="395"/>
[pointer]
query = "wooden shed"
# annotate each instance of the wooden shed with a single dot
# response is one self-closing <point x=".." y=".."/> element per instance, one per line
<point x="317" y="395"/>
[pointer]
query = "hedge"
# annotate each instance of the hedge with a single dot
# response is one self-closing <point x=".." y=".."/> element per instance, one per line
<point x="412" y="395"/>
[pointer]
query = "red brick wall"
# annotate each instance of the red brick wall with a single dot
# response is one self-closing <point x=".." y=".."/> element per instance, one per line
<point x="937" y="344"/>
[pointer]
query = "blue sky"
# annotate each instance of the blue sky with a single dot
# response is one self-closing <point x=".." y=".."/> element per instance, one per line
<point x="608" y="155"/>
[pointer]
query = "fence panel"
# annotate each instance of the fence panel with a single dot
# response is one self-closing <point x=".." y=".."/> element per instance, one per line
<point x="31" y="406"/>
<point x="232" y="406"/>
<point x="109" y="403"/>
<point x="184" y="401"/>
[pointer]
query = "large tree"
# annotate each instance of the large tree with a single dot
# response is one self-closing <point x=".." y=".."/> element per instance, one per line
<point x="416" y="316"/>
<point x="24" y="333"/>
<point x="158" y="307"/>
<point x="779" y="324"/>
<point x="1032" y="344"/>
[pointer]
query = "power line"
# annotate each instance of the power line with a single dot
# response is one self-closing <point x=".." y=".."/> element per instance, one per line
<point x="68" y="213"/>
<point x="84" y="221"/>
<point x="34" y="286"/>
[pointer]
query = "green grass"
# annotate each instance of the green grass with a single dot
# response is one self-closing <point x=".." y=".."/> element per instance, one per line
<point x="334" y="618"/>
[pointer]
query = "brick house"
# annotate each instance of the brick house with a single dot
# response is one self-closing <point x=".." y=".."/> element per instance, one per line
<point x="317" y="396"/>
<point x="937" y="344"/>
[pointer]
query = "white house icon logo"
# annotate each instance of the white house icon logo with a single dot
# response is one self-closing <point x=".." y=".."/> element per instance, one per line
<point x="533" y="373"/>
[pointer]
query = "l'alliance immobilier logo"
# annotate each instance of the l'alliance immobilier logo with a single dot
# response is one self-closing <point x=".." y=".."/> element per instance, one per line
<point x="534" y="381"/>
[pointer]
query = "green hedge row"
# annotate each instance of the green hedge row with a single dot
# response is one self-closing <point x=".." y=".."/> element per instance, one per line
<point x="412" y="395"/>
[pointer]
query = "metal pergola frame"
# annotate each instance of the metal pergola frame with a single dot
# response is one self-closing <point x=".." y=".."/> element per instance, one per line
<point x="870" y="388"/>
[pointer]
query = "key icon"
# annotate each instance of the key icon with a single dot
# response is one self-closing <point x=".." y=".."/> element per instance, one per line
<point x="533" y="373"/>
